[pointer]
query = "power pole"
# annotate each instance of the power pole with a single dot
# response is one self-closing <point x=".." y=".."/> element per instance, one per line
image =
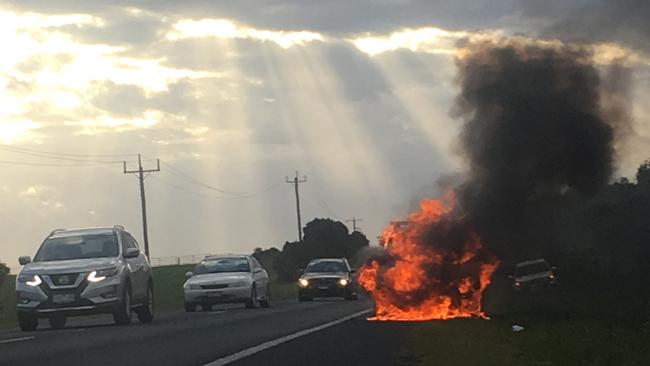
<point x="296" y="181"/>
<point x="141" y="177"/>
<point x="354" y="221"/>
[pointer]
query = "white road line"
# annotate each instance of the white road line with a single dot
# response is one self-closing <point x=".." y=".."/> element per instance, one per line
<point x="14" y="340"/>
<point x="218" y="312"/>
<point x="266" y="345"/>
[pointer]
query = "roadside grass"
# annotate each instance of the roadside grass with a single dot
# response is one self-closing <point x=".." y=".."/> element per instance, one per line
<point x="168" y="292"/>
<point x="562" y="326"/>
<point x="8" y="303"/>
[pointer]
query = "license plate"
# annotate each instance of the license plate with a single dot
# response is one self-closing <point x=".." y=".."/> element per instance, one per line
<point x="323" y="288"/>
<point x="214" y="294"/>
<point x="63" y="298"/>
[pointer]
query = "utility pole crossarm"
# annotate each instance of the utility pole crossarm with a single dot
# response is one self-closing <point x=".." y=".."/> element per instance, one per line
<point x="354" y="221"/>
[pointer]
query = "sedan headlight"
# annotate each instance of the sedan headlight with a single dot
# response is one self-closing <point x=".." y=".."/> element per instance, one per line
<point x="102" y="274"/>
<point x="240" y="284"/>
<point x="30" y="280"/>
<point x="188" y="286"/>
<point x="303" y="282"/>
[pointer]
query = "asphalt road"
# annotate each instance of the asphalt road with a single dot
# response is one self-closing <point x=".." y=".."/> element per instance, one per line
<point x="288" y="333"/>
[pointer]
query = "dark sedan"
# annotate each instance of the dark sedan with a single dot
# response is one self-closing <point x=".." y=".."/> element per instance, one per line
<point x="331" y="277"/>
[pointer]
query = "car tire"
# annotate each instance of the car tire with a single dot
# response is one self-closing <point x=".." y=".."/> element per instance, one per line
<point x="145" y="312"/>
<point x="252" y="303"/>
<point x="267" y="298"/>
<point x="57" y="321"/>
<point x="303" y="298"/>
<point x="27" y="323"/>
<point x="190" y="308"/>
<point x="352" y="297"/>
<point x="122" y="316"/>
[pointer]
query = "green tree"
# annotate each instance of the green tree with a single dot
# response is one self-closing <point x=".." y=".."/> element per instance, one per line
<point x="4" y="272"/>
<point x="323" y="238"/>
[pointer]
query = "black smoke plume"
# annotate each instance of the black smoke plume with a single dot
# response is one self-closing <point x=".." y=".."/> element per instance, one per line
<point x="534" y="136"/>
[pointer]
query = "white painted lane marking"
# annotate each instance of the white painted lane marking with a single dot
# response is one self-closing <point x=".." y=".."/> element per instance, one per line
<point x="218" y="312"/>
<point x="14" y="340"/>
<point x="266" y="345"/>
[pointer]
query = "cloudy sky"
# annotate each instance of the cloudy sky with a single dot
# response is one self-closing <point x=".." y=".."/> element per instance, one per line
<point x="233" y="96"/>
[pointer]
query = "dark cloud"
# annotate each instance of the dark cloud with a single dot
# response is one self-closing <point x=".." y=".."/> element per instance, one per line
<point x="535" y="134"/>
<point x="623" y="21"/>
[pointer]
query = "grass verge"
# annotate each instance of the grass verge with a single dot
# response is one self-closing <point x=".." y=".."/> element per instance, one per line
<point x="567" y="325"/>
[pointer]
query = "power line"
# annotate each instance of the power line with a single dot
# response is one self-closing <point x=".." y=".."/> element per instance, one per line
<point x="175" y="171"/>
<point x="28" y="163"/>
<point x="64" y="154"/>
<point x="199" y="194"/>
<point x="60" y="158"/>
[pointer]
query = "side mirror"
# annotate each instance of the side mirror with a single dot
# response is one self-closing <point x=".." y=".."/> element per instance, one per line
<point x="189" y="274"/>
<point x="24" y="260"/>
<point x="132" y="253"/>
<point x="258" y="270"/>
<point x="353" y="270"/>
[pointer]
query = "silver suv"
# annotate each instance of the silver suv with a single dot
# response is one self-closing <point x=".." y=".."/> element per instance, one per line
<point x="82" y="272"/>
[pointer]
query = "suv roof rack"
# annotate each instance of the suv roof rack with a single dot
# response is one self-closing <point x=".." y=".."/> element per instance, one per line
<point x="57" y="231"/>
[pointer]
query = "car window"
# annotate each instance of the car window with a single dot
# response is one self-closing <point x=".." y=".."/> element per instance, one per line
<point x="326" y="267"/>
<point x="223" y="265"/>
<point x="78" y="247"/>
<point x="532" y="268"/>
<point x="127" y="242"/>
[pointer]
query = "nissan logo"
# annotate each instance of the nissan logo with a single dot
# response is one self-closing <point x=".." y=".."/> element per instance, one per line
<point x="64" y="280"/>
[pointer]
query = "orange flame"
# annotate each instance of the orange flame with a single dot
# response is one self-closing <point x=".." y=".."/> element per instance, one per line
<point x="437" y="267"/>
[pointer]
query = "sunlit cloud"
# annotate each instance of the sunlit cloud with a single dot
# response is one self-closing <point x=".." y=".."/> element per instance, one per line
<point x="429" y="39"/>
<point x="15" y="131"/>
<point x="106" y="122"/>
<point x="227" y="29"/>
<point x="455" y="43"/>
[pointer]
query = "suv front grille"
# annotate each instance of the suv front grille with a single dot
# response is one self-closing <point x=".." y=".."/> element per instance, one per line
<point x="65" y="279"/>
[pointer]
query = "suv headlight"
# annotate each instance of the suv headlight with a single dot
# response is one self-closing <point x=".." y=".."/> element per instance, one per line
<point x="102" y="274"/>
<point x="303" y="282"/>
<point x="344" y="282"/>
<point x="30" y="280"/>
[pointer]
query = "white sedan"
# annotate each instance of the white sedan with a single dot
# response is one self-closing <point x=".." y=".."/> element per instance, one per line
<point x="227" y="279"/>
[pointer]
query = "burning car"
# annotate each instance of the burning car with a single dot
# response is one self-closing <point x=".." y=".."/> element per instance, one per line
<point x="533" y="273"/>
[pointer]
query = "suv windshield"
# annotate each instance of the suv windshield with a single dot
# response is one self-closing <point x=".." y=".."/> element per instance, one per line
<point x="532" y="268"/>
<point x="326" y="267"/>
<point x="222" y="265"/>
<point x="78" y="247"/>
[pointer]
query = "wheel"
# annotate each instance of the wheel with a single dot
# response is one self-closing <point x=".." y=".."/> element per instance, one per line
<point x="253" y="302"/>
<point x="57" y="321"/>
<point x="302" y="297"/>
<point x="27" y="323"/>
<point x="206" y="307"/>
<point x="352" y="297"/>
<point x="122" y="316"/>
<point x="145" y="312"/>
<point x="190" y="308"/>
<point x="267" y="298"/>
